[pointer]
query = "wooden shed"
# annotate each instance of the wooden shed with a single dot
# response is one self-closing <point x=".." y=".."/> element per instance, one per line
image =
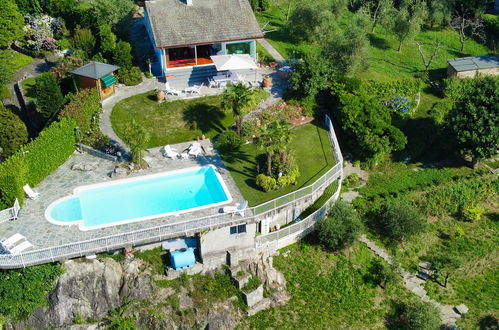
<point x="468" y="67"/>
<point x="97" y="75"/>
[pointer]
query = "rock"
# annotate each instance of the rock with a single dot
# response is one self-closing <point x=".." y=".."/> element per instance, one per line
<point x="220" y="321"/>
<point x="252" y="298"/>
<point x="89" y="289"/>
<point x="260" y="306"/>
<point x="280" y="298"/>
<point x="184" y="300"/>
<point x="119" y="172"/>
<point x="461" y="309"/>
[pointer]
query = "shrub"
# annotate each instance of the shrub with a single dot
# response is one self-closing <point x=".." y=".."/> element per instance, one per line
<point x="21" y="291"/>
<point x="63" y="43"/>
<point x="122" y="55"/>
<point x="415" y="315"/>
<point x="130" y="77"/>
<point x="351" y="181"/>
<point x="440" y="110"/>
<point x="250" y="128"/>
<point x="473" y="212"/>
<point x="13" y="132"/>
<point x="289" y="179"/>
<point x="382" y="274"/>
<point x="400" y="220"/>
<point x="267" y="183"/>
<point x="66" y="65"/>
<point x="84" y="40"/>
<point x="41" y="156"/>
<point x="340" y="229"/>
<point x="229" y="141"/>
<point x="85" y="108"/>
<point x="48" y="95"/>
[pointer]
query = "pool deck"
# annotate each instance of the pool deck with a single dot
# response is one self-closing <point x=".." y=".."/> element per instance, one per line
<point x="42" y="234"/>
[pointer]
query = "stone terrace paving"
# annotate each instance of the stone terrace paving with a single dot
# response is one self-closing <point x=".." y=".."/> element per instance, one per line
<point x="42" y="234"/>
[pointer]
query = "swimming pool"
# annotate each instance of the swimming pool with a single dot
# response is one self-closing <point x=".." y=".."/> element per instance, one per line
<point x="140" y="198"/>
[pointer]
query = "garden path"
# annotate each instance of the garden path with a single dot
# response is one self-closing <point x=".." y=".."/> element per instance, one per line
<point x="348" y="169"/>
<point x="448" y="313"/>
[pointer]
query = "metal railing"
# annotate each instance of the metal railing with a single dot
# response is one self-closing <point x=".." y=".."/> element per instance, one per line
<point x="185" y="228"/>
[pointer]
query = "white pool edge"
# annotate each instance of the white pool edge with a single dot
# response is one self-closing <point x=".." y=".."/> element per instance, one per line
<point x="78" y="189"/>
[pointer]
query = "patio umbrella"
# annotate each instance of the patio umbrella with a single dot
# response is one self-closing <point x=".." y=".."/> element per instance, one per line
<point x="233" y="62"/>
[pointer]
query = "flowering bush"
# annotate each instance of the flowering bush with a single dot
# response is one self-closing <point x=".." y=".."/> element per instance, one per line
<point x="399" y="105"/>
<point x="68" y="64"/>
<point x="42" y="31"/>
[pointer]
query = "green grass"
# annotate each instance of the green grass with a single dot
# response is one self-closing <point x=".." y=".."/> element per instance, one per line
<point x="27" y="85"/>
<point x="313" y="157"/>
<point x="153" y="257"/>
<point x="16" y="60"/>
<point x="263" y="54"/>
<point x="173" y="121"/>
<point x="328" y="291"/>
<point x="328" y="192"/>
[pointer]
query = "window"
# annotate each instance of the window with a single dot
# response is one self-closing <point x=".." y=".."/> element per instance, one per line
<point x="241" y="229"/>
<point x="239" y="48"/>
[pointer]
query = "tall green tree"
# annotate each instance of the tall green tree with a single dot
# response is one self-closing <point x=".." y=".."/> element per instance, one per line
<point x="84" y="40"/>
<point x="379" y="11"/>
<point x="311" y="20"/>
<point x="348" y="50"/>
<point x="118" y="14"/>
<point x="474" y="118"/>
<point x="107" y="39"/>
<point x="407" y="21"/>
<point x="311" y="75"/>
<point x="29" y="6"/>
<point x="13" y="132"/>
<point x="48" y="96"/>
<point x="414" y="315"/>
<point x="136" y="137"/>
<point x="340" y="228"/>
<point x="11" y="23"/>
<point x="399" y="221"/>
<point x="122" y="55"/>
<point x="238" y="99"/>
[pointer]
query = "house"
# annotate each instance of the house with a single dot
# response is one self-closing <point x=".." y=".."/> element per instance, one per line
<point x="468" y="67"/>
<point x="185" y="33"/>
<point x="97" y="75"/>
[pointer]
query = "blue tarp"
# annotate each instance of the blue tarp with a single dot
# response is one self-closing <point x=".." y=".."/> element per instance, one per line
<point x="181" y="259"/>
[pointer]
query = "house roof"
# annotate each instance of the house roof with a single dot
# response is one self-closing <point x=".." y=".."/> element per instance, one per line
<point x="174" y="23"/>
<point x="95" y="70"/>
<point x="474" y="63"/>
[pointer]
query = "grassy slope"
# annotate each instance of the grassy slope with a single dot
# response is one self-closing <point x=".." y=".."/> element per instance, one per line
<point x="28" y="85"/>
<point x="328" y="291"/>
<point x="313" y="157"/>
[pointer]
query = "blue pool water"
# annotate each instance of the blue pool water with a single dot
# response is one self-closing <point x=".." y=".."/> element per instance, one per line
<point x="147" y="197"/>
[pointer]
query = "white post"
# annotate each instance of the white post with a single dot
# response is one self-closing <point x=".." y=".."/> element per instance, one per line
<point x="196" y="54"/>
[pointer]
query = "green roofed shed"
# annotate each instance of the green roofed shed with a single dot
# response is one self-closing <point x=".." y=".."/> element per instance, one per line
<point x="97" y="75"/>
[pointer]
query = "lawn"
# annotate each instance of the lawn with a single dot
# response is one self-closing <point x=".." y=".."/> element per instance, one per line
<point x="173" y="121"/>
<point x="313" y="156"/>
<point x="27" y="85"/>
<point x="328" y="291"/>
<point x="16" y="60"/>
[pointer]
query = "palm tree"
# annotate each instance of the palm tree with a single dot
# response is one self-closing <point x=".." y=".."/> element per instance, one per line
<point x="239" y="99"/>
<point x="274" y="139"/>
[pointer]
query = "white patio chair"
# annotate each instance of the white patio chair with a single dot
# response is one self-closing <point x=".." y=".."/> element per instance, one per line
<point x="21" y="247"/>
<point x="167" y="151"/>
<point x="11" y="213"/>
<point x="12" y="241"/>
<point x="30" y="192"/>
<point x="170" y="90"/>
<point x="195" y="149"/>
<point x="239" y="208"/>
<point x="212" y="83"/>
<point x="196" y="88"/>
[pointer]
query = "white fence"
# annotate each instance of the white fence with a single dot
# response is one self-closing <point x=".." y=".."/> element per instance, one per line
<point x="185" y="228"/>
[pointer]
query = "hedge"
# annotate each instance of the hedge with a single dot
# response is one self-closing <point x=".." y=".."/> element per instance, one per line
<point x="41" y="157"/>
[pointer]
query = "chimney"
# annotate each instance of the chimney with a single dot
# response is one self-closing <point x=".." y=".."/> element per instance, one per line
<point x="188" y="2"/>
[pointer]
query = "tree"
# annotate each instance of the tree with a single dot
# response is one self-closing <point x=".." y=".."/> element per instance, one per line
<point x="439" y="12"/>
<point x="123" y="55"/>
<point x="118" y="14"/>
<point x="444" y="264"/>
<point x="29" y="6"/>
<point x="474" y="118"/>
<point x="399" y="221"/>
<point x="427" y="61"/>
<point x="366" y="123"/>
<point x="238" y="99"/>
<point x="48" y="96"/>
<point x="136" y="137"/>
<point x="407" y="21"/>
<point x="311" y="75"/>
<point x="348" y="50"/>
<point x="467" y="26"/>
<point x="340" y="228"/>
<point x="11" y="23"/>
<point x="274" y="139"/>
<point x="13" y="132"/>
<point x="414" y="315"/>
<point x="379" y="11"/>
<point x="107" y="39"/>
<point x="383" y="274"/>
<point x="311" y="20"/>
